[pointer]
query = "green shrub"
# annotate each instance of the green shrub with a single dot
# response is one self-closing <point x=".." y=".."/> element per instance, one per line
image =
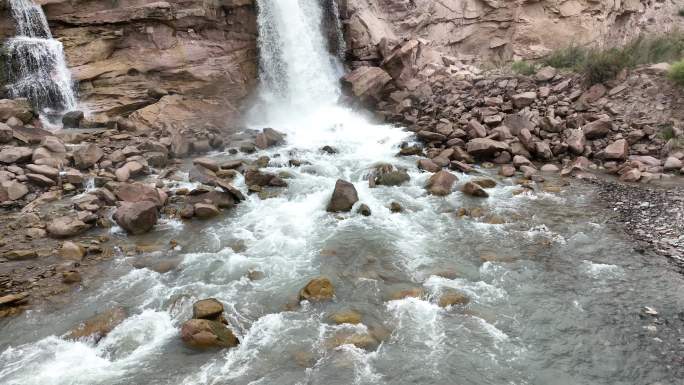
<point x="677" y="72"/>
<point x="600" y="65"/>
<point x="523" y="68"/>
<point x="569" y="57"/>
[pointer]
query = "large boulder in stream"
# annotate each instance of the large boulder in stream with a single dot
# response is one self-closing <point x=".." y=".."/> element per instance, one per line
<point x="136" y="217"/>
<point x="441" y="183"/>
<point x="204" y="333"/>
<point x="268" y="138"/>
<point x="343" y="198"/>
<point x="367" y="83"/>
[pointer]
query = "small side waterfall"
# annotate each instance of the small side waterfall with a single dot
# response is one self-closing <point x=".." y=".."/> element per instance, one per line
<point x="36" y="67"/>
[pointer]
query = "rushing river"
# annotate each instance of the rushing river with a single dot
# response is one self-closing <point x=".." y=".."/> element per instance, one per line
<point x="556" y="295"/>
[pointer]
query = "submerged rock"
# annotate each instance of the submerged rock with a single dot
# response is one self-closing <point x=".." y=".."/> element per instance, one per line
<point x="343" y="198"/>
<point x="98" y="326"/>
<point x="346" y="317"/>
<point x="474" y="189"/>
<point x="318" y="289"/>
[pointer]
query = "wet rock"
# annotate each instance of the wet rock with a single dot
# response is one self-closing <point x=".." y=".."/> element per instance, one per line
<point x="40" y="180"/>
<point x="72" y="251"/>
<point x="346" y="317"/>
<point x="20" y="255"/>
<point x="550" y="168"/>
<point x="207" y="163"/>
<point x="392" y="178"/>
<point x="329" y="150"/>
<point x="395" y="207"/>
<point x="98" y="326"/>
<point x="268" y="138"/>
<point x="343" y="198"/>
<point x="441" y="183"/>
<point x="507" y="171"/>
<point x="140" y="192"/>
<point x="485" y="183"/>
<point x="210" y="309"/>
<point x="72" y="119"/>
<point x="318" y="289"/>
<point x="19" y="108"/>
<point x="362" y="341"/>
<point x="451" y="298"/>
<point x="136" y="217"/>
<point x="428" y="165"/>
<point x="203" y="334"/>
<point x="473" y="189"/>
<point x="364" y="210"/>
<point x="71" y="277"/>
<point x="415" y="292"/>
<point x="230" y="189"/>
<point x="206" y="210"/>
<point x="64" y="227"/>
<point x="13" y="299"/>
<point x="86" y="156"/>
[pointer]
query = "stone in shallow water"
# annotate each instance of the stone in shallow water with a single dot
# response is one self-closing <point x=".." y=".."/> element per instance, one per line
<point x="343" y="198"/>
<point x="318" y="289"/>
<point x="441" y="183"/>
<point x="473" y="189"/>
<point x="203" y="333"/>
<point x="451" y="298"/>
<point x="210" y="309"/>
<point x="98" y="326"/>
<point x="346" y="317"/>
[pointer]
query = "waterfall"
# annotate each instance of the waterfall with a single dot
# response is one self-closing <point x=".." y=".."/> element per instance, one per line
<point x="36" y="67"/>
<point x="296" y="67"/>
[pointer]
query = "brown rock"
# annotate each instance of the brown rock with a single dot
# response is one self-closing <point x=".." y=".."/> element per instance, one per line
<point x="9" y="155"/>
<point x="64" y="227"/>
<point x="318" y="289"/>
<point x="86" y="156"/>
<point x="206" y="210"/>
<point x="618" y="150"/>
<point x="483" y="147"/>
<point x="203" y="334"/>
<point x="428" y="165"/>
<point x="72" y="251"/>
<point x="597" y="129"/>
<point x="346" y="317"/>
<point x="524" y="99"/>
<point x="441" y="183"/>
<point x="367" y="82"/>
<point x="210" y="309"/>
<point x="343" y="198"/>
<point x="268" y="138"/>
<point x="137" y="217"/>
<point x="473" y="189"/>
<point x="98" y="326"/>
<point x="452" y="298"/>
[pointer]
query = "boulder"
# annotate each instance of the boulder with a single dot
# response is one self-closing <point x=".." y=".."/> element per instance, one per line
<point x="507" y="170"/>
<point x="618" y="150"/>
<point x="137" y="217"/>
<point x="632" y="175"/>
<point x="346" y="317"/>
<point x="597" y="129"/>
<point x="441" y="183"/>
<point x="86" y="156"/>
<point x="72" y="251"/>
<point x="576" y="142"/>
<point x="318" y="289"/>
<point x="672" y="164"/>
<point x="207" y="163"/>
<point x="392" y="178"/>
<point x="14" y="190"/>
<point x="364" y="210"/>
<point x="64" y="227"/>
<point x="45" y="170"/>
<point x="205" y="210"/>
<point x="98" y="326"/>
<point x="545" y="74"/>
<point x="6" y="133"/>
<point x="203" y="334"/>
<point x="451" y="298"/>
<point x="10" y="155"/>
<point x="428" y="165"/>
<point x="485" y="148"/>
<point x="367" y="83"/>
<point x="210" y="309"/>
<point x="475" y="129"/>
<point x="53" y="144"/>
<point x="524" y="99"/>
<point x="268" y="138"/>
<point x="473" y="189"/>
<point x="343" y="198"/>
<point x="19" y="108"/>
<point x="139" y="192"/>
<point x="72" y="119"/>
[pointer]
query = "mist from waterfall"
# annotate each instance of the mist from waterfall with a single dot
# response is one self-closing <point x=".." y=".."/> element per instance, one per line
<point x="36" y="64"/>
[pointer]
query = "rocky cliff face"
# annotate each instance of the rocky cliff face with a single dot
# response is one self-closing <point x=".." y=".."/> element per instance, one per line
<point x="165" y="64"/>
<point x="502" y="29"/>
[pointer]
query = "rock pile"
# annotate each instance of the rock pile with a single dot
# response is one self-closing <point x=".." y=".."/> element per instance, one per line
<point x="631" y="127"/>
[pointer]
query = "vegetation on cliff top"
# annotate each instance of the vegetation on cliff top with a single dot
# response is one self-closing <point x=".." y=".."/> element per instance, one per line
<point x="600" y="65"/>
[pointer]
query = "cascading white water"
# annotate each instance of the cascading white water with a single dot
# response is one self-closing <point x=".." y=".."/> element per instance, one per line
<point x="295" y="66"/>
<point x="36" y="65"/>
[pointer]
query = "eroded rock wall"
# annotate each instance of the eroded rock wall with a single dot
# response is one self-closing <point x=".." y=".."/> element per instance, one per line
<point x="500" y="29"/>
<point x="127" y="55"/>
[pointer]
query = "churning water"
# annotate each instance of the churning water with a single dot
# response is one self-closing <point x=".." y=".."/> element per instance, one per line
<point x="556" y="295"/>
<point x="36" y="66"/>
